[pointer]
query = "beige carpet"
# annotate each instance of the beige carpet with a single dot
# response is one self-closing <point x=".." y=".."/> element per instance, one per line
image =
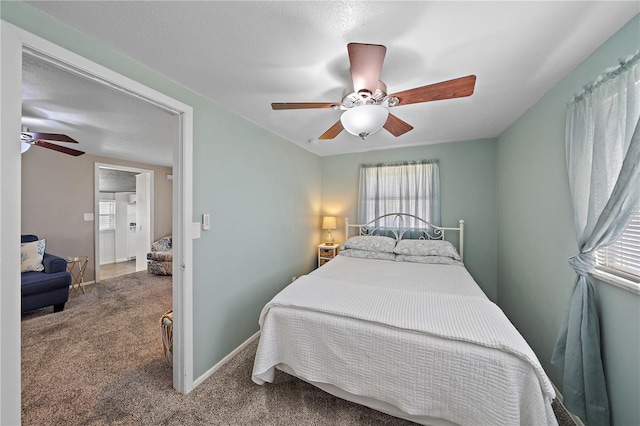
<point x="100" y="362"/>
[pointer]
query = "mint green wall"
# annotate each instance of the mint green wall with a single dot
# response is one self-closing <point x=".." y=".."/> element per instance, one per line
<point x="468" y="187"/>
<point x="263" y="194"/>
<point x="536" y="236"/>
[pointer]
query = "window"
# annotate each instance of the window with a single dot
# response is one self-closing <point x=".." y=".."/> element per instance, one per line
<point x="107" y="215"/>
<point x="602" y="157"/>
<point x="407" y="187"/>
<point x="623" y="256"/>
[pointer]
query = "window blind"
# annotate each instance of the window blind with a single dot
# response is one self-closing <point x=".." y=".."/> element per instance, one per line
<point x="107" y="215"/>
<point x="623" y="255"/>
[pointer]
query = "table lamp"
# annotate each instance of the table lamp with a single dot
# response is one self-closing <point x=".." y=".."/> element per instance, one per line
<point x="329" y="223"/>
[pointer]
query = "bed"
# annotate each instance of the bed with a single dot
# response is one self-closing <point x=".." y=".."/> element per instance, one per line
<point x="413" y="337"/>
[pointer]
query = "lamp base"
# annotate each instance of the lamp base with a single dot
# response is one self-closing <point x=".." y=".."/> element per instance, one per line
<point x="329" y="241"/>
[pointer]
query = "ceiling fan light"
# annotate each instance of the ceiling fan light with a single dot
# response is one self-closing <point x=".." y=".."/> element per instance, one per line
<point x="364" y="120"/>
<point x="24" y="147"/>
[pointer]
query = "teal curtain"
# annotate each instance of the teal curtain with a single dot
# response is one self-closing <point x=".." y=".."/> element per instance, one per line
<point x="411" y="187"/>
<point x="602" y="142"/>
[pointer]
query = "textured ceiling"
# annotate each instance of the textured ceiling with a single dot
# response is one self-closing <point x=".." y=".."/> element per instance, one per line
<point x="245" y="55"/>
<point x="104" y="121"/>
<point x="111" y="180"/>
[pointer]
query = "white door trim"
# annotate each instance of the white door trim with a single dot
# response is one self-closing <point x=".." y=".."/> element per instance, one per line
<point x="10" y="169"/>
<point x="12" y="48"/>
<point x="96" y="200"/>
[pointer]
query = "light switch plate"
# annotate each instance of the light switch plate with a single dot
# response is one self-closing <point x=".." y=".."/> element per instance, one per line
<point x="88" y="217"/>
<point x="195" y="230"/>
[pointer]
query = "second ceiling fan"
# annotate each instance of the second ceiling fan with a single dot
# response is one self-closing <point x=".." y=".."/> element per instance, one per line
<point x="28" y="138"/>
<point x="366" y="109"/>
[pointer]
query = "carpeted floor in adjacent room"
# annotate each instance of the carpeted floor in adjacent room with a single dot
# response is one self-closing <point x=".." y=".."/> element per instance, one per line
<point x="100" y="361"/>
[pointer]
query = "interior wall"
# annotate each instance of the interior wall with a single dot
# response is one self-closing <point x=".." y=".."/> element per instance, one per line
<point x="262" y="192"/>
<point x="536" y="236"/>
<point x="263" y="195"/>
<point x="57" y="190"/>
<point x="468" y="188"/>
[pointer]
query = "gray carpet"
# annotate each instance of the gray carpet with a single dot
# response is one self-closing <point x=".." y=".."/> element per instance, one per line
<point x="100" y="362"/>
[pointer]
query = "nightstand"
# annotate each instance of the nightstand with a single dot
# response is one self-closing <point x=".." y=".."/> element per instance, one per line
<point x="326" y="253"/>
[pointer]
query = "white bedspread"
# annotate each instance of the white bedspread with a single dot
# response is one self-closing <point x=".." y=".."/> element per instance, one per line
<point x="450" y="355"/>
<point x="450" y="279"/>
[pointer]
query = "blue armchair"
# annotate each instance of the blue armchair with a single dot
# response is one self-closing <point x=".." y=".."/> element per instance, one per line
<point x="46" y="288"/>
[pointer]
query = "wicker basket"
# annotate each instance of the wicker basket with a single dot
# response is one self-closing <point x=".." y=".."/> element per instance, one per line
<point x="166" y="324"/>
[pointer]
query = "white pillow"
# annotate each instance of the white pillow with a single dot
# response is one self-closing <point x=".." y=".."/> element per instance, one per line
<point x="442" y="260"/>
<point x="367" y="254"/>
<point x="31" y="255"/>
<point x="370" y="243"/>
<point x="426" y="248"/>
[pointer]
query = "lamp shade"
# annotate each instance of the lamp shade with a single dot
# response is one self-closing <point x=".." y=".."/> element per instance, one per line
<point x="364" y="120"/>
<point x="329" y="222"/>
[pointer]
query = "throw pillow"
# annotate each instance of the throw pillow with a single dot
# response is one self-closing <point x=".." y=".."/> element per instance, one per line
<point x="31" y="255"/>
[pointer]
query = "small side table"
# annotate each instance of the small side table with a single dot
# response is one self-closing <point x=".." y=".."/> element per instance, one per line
<point x="76" y="266"/>
<point x="326" y="253"/>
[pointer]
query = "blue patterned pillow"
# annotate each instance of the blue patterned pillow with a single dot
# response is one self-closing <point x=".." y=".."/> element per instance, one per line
<point x="31" y="255"/>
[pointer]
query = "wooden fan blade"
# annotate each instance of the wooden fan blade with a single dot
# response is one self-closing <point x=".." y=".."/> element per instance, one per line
<point x="397" y="127"/>
<point x="366" y="65"/>
<point x="51" y="137"/>
<point x="58" y="148"/>
<point x="456" y="88"/>
<point x="302" y="105"/>
<point x="333" y="131"/>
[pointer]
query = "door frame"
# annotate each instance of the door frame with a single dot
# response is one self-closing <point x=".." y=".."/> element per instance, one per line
<point x="96" y="191"/>
<point x="15" y="41"/>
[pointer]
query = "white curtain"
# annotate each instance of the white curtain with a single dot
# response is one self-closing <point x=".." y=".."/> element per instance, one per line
<point x="411" y="187"/>
<point x="603" y="162"/>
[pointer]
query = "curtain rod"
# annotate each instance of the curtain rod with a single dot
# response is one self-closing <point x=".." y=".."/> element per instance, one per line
<point x="400" y="163"/>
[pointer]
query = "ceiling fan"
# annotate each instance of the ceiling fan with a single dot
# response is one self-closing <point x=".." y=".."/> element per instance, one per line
<point x="27" y="139"/>
<point x="366" y="109"/>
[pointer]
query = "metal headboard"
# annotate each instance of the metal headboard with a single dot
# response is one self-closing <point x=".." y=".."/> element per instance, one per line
<point x="395" y="224"/>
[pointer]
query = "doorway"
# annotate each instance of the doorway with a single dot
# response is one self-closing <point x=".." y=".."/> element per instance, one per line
<point x="124" y="225"/>
<point x="15" y="41"/>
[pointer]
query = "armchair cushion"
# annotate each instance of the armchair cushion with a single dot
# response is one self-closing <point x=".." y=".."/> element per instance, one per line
<point x="35" y="282"/>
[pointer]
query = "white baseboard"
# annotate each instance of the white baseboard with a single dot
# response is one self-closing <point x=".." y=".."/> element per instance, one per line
<point x="560" y="399"/>
<point x="224" y="360"/>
